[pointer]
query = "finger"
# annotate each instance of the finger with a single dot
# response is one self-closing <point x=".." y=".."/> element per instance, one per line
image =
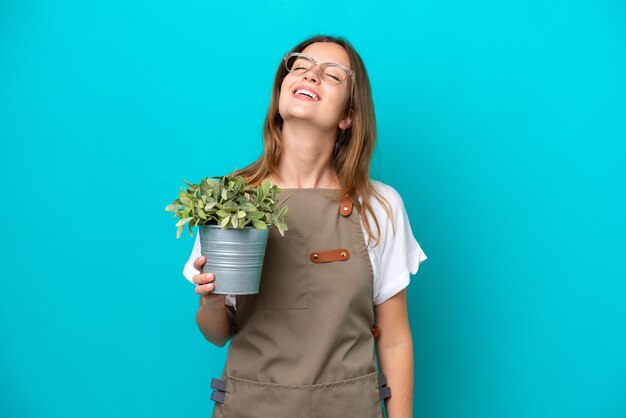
<point x="199" y="262"/>
<point x="205" y="288"/>
<point x="203" y="278"/>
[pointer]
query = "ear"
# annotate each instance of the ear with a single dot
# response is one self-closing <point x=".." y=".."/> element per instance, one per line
<point x="346" y="122"/>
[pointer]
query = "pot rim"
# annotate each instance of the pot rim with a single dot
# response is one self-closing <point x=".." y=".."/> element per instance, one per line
<point x="230" y="227"/>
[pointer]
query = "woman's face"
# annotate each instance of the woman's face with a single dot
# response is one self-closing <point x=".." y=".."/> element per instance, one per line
<point x="327" y="110"/>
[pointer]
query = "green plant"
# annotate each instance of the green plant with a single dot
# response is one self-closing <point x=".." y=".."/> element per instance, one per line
<point x="229" y="203"/>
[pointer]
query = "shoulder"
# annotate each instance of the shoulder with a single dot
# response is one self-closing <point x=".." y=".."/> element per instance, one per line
<point x="390" y="195"/>
<point x="388" y="192"/>
<point x="387" y="218"/>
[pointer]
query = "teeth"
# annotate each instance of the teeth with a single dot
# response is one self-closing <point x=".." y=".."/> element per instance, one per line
<point x="307" y="93"/>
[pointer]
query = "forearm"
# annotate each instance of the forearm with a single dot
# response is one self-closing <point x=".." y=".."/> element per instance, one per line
<point x="396" y="363"/>
<point x="215" y="322"/>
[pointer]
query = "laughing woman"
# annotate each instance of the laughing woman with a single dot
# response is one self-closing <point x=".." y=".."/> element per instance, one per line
<point x="332" y="297"/>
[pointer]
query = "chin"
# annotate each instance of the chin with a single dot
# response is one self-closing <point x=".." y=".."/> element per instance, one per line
<point x="295" y="112"/>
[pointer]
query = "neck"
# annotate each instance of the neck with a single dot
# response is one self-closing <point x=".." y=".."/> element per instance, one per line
<point x="305" y="160"/>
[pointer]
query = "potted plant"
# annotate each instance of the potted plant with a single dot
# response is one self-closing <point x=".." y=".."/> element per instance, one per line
<point x="234" y="218"/>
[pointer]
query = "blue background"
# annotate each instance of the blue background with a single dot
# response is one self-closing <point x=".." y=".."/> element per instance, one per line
<point x="500" y="123"/>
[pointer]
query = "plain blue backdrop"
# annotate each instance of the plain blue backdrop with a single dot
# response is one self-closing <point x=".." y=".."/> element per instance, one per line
<point x="501" y="124"/>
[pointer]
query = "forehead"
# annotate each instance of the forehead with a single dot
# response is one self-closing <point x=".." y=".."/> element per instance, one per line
<point x="328" y="52"/>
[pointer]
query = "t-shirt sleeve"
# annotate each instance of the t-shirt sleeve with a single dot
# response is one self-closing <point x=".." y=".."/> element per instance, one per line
<point x="399" y="255"/>
<point x="189" y="270"/>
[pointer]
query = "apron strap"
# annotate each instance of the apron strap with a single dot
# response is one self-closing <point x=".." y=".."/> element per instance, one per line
<point x="219" y="393"/>
<point x="340" y="254"/>
<point x="375" y="331"/>
<point x="219" y="384"/>
<point x="218" y="396"/>
<point x="345" y="208"/>
<point x="385" y="391"/>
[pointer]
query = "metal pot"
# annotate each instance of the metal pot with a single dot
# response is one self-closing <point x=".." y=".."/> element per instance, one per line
<point x="235" y="256"/>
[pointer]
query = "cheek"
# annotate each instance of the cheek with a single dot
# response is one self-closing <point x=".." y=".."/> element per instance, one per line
<point x="284" y="90"/>
<point x="340" y="99"/>
<point x="286" y="82"/>
<point x="283" y="95"/>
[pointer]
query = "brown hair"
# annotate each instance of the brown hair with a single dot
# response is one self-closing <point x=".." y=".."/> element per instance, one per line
<point x="354" y="146"/>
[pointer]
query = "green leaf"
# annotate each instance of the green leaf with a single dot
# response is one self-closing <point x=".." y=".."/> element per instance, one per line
<point x="256" y="215"/>
<point x="211" y="182"/>
<point x="201" y="214"/>
<point x="179" y="231"/>
<point x="210" y="205"/>
<point x="224" y="194"/>
<point x="239" y="187"/>
<point x="259" y="224"/>
<point x="183" y="221"/>
<point x="222" y="213"/>
<point x="172" y="207"/>
<point x="230" y="206"/>
<point x="266" y="187"/>
<point x="286" y="199"/>
<point x="282" y="212"/>
<point x="241" y="214"/>
<point x="247" y="207"/>
<point x="234" y="221"/>
<point x="224" y="221"/>
<point x="280" y="229"/>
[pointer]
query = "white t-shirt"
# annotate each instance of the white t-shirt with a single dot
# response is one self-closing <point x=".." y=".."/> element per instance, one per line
<point x="394" y="259"/>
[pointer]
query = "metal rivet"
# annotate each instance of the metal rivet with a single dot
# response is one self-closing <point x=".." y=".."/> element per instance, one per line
<point x="315" y="256"/>
<point x="345" y="208"/>
<point x="343" y="254"/>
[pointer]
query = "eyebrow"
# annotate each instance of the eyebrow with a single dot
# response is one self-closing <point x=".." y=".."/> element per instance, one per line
<point x="325" y="62"/>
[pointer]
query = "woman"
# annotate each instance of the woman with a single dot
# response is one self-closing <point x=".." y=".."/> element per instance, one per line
<point x="330" y="299"/>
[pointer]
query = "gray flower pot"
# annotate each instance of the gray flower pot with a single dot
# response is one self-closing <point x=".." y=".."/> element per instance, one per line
<point x="235" y="256"/>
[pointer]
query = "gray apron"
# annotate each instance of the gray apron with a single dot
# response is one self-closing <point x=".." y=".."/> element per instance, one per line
<point x="304" y="346"/>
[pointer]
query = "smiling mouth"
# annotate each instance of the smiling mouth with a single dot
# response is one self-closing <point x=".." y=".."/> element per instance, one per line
<point x="306" y="93"/>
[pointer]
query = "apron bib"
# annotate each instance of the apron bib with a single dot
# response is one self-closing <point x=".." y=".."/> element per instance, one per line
<point x="304" y="346"/>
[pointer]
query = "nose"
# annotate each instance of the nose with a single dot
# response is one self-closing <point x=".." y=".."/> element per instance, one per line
<point x="312" y="74"/>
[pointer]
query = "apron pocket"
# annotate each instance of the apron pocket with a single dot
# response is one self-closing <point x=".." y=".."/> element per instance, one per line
<point x="284" y="279"/>
<point x="358" y="397"/>
<point x="250" y="399"/>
